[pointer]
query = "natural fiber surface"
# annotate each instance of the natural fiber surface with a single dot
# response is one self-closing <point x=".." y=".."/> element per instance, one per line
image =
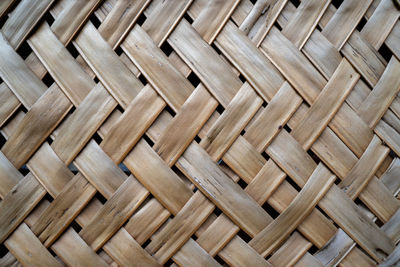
<point x="199" y="133"/>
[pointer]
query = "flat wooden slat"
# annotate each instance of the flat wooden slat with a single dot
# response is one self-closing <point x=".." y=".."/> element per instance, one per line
<point x="380" y="23"/>
<point x="232" y="121"/>
<point x="392" y="41"/>
<point x="75" y="252"/>
<point x="165" y="78"/>
<point x="218" y="77"/>
<point x="71" y="78"/>
<point x="35" y="254"/>
<point x="303" y="21"/>
<point x="114" y="213"/>
<point x="326" y="104"/>
<point x="322" y="53"/>
<point x="378" y="101"/>
<point x="364" y="169"/>
<point x="97" y="167"/>
<point x="82" y="124"/>
<point x="47" y="167"/>
<point x="389" y="177"/>
<point x="308" y="260"/>
<point x="125" y="250"/>
<point x="356" y="256"/>
<point x="191" y="254"/>
<point x="23" y="19"/>
<point x="129" y="127"/>
<point x="8" y="103"/>
<point x="336" y="249"/>
<point x="163" y="19"/>
<point x="217" y="235"/>
<point x="265" y="182"/>
<point x="256" y="68"/>
<point x="75" y="195"/>
<point x="344" y="21"/>
<point x="263" y="129"/>
<point x="264" y="23"/>
<point x="36" y="126"/>
<point x="290" y="252"/>
<point x="166" y="242"/>
<point x="389" y="135"/>
<point x="364" y="231"/>
<point x="296" y="68"/>
<point x="116" y="77"/>
<point x="238" y="253"/>
<point x="157" y="177"/>
<point x="71" y="18"/>
<point x="216" y="12"/>
<point x="364" y="58"/>
<point x="9" y="175"/>
<point x="17" y="204"/>
<point x="120" y="20"/>
<point x="315" y="188"/>
<point x="185" y="125"/>
<point x="237" y="204"/>
<point x="146" y="220"/>
<point x="24" y="84"/>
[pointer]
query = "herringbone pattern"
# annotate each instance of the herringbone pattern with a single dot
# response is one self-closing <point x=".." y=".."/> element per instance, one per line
<point x="199" y="132"/>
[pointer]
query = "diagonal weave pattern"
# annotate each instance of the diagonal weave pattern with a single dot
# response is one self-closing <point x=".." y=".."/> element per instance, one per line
<point x="199" y="133"/>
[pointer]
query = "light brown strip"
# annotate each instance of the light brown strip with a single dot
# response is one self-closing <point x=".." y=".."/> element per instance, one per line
<point x="294" y="65"/>
<point x="125" y="250"/>
<point x="23" y="19"/>
<point x="24" y="83"/>
<point x="250" y="61"/>
<point x="116" y="77"/>
<point x="265" y="127"/>
<point x="181" y="228"/>
<point x="157" y="177"/>
<point x="156" y="67"/>
<point x="114" y="213"/>
<point x="132" y="124"/>
<point x="36" y="126"/>
<point x="18" y="203"/>
<point x="326" y="105"/>
<point x="365" y="168"/>
<point x="71" y="19"/>
<point x="185" y="125"/>
<point x="344" y="21"/>
<point x="379" y="100"/>
<point x="28" y="250"/>
<point x="219" y="78"/>
<point x="213" y="17"/>
<point x="163" y="19"/>
<point x="209" y="178"/>
<point x="303" y="22"/>
<point x="232" y="121"/>
<point x="278" y="230"/>
<point x="75" y="252"/>
<point x="63" y="68"/>
<point x="76" y="131"/>
<point x="64" y="208"/>
<point x="97" y="167"/>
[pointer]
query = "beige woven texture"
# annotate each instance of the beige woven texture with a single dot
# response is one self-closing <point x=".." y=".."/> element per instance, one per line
<point x="199" y="133"/>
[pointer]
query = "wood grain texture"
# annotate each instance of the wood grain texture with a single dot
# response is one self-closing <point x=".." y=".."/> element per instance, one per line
<point x="165" y="78"/>
<point x="36" y="254"/>
<point x="199" y="133"/>
<point x="36" y="125"/>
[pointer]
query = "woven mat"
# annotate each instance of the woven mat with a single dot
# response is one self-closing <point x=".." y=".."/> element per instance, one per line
<point x="199" y="133"/>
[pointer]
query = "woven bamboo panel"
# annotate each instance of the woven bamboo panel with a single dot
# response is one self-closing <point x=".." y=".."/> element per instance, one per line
<point x="199" y="133"/>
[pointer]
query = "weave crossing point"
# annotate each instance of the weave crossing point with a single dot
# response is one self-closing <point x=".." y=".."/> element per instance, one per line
<point x="199" y="133"/>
